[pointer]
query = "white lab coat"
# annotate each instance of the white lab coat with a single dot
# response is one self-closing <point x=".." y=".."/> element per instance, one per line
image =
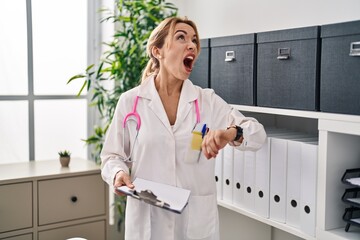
<point x="159" y="154"/>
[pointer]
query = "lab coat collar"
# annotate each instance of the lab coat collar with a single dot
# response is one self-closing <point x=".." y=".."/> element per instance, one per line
<point x="188" y="95"/>
<point x="148" y="90"/>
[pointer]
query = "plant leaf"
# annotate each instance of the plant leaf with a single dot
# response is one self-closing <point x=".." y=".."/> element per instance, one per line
<point x="75" y="77"/>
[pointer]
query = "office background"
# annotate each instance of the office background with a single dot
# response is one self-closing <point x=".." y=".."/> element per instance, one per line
<point x="33" y="103"/>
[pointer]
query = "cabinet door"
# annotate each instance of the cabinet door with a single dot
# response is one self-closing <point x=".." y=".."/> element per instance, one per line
<point x="16" y="204"/>
<point x="89" y="231"/>
<point x="71" y="198"/>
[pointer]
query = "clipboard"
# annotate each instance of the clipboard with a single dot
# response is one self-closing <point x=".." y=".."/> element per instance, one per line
<point x="161" y="195"/>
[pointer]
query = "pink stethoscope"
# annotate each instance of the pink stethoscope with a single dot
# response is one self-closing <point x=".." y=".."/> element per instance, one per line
<point x="134" y="116"/>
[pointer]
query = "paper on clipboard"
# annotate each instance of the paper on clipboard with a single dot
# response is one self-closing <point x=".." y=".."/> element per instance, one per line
<point x="175" y="198"/>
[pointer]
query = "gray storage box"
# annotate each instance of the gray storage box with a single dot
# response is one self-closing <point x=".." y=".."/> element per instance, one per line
<point x="200" y="74"/>
<point x="287" y="68"/>
<point x="340" y="68"/>
<point x="233" y="68"/>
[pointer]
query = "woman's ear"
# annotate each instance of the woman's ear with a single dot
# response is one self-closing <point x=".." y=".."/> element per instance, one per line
<point x="156" y="52"/>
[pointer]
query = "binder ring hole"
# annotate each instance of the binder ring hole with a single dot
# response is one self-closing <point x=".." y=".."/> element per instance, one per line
<point x="277" y="198"/>
<point x="248" y="189"/>
<point x="307" y="209"/>
<point x="216" y="178"/>
<point x="74" y="199"/>
<point x="293" y="203"/>
<point x="261" y="194"/>
<point x="238" y="185"/>
<point x="227" y="182"/>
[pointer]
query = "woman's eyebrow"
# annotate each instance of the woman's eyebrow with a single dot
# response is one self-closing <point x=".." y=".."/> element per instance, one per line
<point x="183" y="31"/>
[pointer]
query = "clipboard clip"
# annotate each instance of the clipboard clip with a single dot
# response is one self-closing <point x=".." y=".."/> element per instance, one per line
<point x="149" y="197"/>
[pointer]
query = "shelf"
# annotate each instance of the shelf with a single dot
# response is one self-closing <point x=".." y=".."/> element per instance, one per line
<point x="299" y="113"/>
<point x="351" y="128"/>
<point x="339" y="141"/>
<point x="267" y="221"/>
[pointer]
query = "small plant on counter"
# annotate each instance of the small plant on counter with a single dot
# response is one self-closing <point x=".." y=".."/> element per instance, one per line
<point x="64" y="158"/>
<point x="64" y="153"/>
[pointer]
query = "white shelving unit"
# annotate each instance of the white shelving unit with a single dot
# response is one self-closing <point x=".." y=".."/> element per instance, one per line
<point x="339" y="149"/>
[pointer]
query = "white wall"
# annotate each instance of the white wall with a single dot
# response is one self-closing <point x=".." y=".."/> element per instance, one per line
<point x="216" y="18"/>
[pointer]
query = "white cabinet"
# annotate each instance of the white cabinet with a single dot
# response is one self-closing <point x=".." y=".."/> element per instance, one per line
<point x="42" y="200"/>
<point x="339" y="149"/>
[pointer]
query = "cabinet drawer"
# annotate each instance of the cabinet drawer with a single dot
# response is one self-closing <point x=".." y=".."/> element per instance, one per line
<point x="71" y="198"/>
<point x="89" y="231"/>
<point x="16" y="206"/>
<point x="287" y="69"/>
<point x="232" y="68"/>
<point x="20" y="237"/>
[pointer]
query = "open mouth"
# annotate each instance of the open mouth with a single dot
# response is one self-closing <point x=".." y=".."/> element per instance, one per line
<point x="188" y="62"/>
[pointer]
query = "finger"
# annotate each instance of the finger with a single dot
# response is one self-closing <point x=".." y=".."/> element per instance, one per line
<point x="120" y="179"/>
<point x="127" y="182"/>
<point x="208" y="151"/>
<point x="204" y="147"/>
<point x="204" y="151"/>
<point x="212" y="146"/>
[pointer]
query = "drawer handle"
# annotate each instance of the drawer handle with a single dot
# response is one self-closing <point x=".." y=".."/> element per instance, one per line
<point x="354" y="49"/>
<point x="229" y="56"/>
<point x="283" y="53"/>
<point x="74" y="199"/>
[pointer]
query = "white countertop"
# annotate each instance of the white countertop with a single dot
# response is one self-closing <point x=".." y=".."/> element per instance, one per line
<point x="39" y="169"/>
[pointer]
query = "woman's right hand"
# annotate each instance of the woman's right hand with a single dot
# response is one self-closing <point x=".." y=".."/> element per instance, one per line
<point x="122" y="179"/>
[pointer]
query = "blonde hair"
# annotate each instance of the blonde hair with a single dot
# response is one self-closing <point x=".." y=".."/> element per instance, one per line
<point x="157" y="39"/>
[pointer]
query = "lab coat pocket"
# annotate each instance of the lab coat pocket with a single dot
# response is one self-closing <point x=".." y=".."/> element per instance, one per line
<point x="202" y="216"/>
<point x="192" y="156"/>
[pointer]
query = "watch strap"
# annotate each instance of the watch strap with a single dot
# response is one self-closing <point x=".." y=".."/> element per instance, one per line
<point x="239" y="132"/>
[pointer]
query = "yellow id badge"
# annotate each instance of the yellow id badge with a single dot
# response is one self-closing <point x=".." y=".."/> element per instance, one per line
<point x="194" y="150"/>
<point x="196" y="140"/>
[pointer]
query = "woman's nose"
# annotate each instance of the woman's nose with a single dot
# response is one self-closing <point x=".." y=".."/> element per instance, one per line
<point x="191" y="46"/>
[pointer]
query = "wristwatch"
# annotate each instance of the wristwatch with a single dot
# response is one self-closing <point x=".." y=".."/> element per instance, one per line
<point x="239" y="132"/>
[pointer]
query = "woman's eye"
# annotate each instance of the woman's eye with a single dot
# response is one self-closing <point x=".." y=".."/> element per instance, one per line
<point x="195" y="41"/>
<point x="181" y="37"/>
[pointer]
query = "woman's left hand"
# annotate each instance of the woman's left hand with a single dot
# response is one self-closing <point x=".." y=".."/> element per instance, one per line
<point x="215" y="140"/>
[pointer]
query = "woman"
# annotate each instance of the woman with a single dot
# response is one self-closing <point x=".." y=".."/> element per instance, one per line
<point x="169" y="106"/>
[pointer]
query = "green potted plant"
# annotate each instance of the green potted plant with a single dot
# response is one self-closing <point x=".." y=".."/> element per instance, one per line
<point x="121" y="64"/>
<point x="64" y="157"/>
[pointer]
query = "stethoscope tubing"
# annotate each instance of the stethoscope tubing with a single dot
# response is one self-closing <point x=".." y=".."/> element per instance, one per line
<point x="137" y="119"/>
